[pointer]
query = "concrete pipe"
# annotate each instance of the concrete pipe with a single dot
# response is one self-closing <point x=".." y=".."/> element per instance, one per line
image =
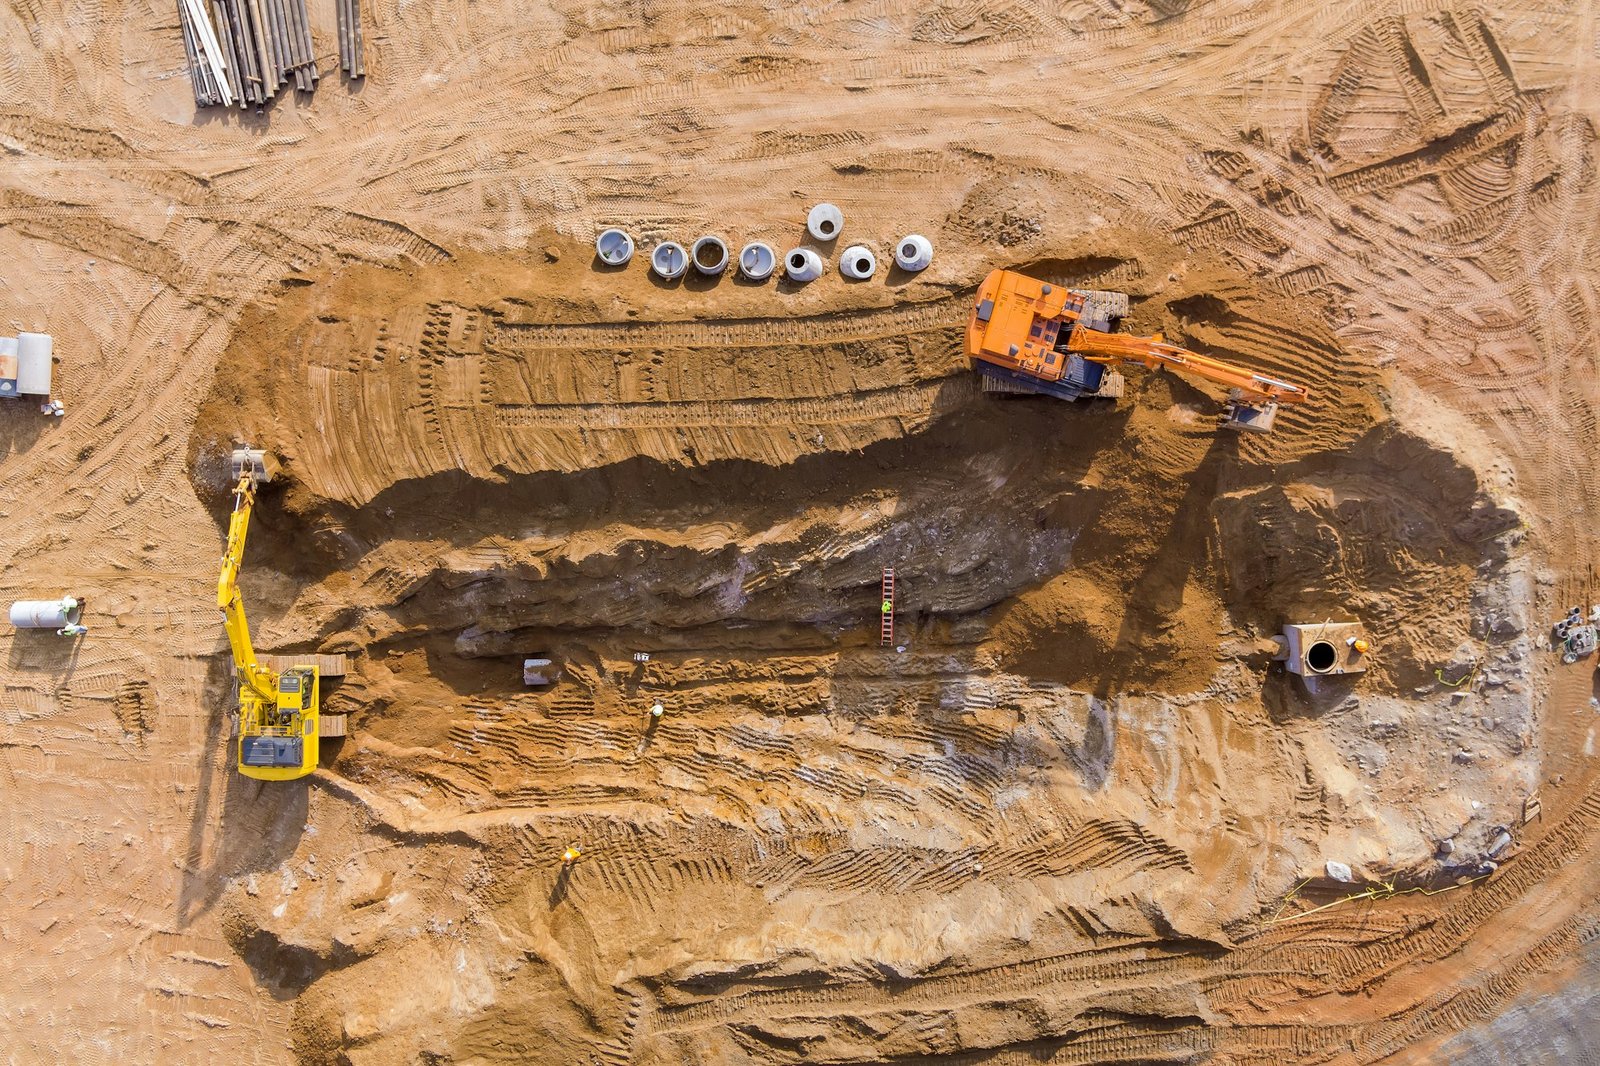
<point x="46" y="614"/>
<point x="757" y="261"/>
<point x="669" y="260"/>
<point x="802" y="264"/>
<point x="824" y="222"/>
<point x="614" y="247"/>
<point x="33" y="363"/>
<point x="914" y="252"/>
<point x="710" y="255"/>
<point x="858" y="262"/>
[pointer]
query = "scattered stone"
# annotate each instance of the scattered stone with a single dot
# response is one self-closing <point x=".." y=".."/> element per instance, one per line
<point x="1340" y="872"/>
<point x="552" y="254"/>
<point x="1500" y="843"/>
<point x="1446" y="848"/>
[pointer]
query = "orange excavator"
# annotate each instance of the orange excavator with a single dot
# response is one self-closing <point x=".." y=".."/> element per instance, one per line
<point x="1028" y="336"/>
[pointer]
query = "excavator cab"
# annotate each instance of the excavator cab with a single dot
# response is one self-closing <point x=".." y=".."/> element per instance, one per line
<point x="279" y="741"/>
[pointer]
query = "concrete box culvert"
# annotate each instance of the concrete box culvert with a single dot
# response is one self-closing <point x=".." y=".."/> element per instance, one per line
<point x="614" y="247"/>
<point x="710" y="255"/>
<point x="757" y="261"/>
<point x="669" y="260"/>
<point x="802" y="264"/>
<point x="858" y="262"/>
<point x="824" y="222"/>
<point x="914" y="252"/>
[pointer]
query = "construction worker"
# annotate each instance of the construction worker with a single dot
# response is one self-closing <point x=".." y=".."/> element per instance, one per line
<point x="72" y="629"/>
<point x="657" y="711"/>
<point x="888" y="607"/>
<point x="570" y="857"/>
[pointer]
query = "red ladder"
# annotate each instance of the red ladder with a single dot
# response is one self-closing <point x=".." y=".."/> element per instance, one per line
<point x="886" y="633"/>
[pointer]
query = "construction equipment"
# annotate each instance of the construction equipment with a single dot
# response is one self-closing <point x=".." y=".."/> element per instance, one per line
<point x="1028" y="336"/>
<point x="280" y="720"/>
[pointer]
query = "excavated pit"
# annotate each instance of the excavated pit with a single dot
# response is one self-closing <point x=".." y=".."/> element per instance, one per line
<point x="1081" y="743"/>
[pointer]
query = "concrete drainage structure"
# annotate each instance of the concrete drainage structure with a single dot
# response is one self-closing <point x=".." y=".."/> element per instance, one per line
<point x="914" y="252"/>
<point x="669" y="260"/>
<point x="858" y="262"/>
<point x="710" y="255"/>
<point x="614" y="247"/>
<point x="824" y="222"/>
<point x="757" y="261"/>
<point x="802" y="264"/>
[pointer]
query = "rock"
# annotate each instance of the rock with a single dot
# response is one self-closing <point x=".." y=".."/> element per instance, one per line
<point x="552" y="254"/>
<point x="1447" y="847"/>
<point x="1338" y="871"/>
<point x="1500" y="843"/>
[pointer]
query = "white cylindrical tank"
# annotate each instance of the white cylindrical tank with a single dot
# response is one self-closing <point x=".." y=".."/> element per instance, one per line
<point x="669" y="260"/>
<point x="802" y="264"/>
<point x="757" y="261"/>
<point x="824" y="222"/>
<point x="33" y="363"/>
<point x="614" y="247"/>
<point x="710" y="255"/>
<point x="8" y="366"/>
<point x="914" y="252"/>
<point x="858" y="262"/>
<point x="45" y="614"/>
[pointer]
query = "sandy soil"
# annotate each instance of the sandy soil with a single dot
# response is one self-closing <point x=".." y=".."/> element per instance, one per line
<point x="1066" y="822"/>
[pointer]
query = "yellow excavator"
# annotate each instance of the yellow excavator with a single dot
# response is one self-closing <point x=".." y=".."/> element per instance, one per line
<point x="280" y="719"/>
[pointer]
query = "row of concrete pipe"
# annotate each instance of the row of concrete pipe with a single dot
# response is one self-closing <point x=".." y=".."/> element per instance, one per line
<point x="757" y="261"/>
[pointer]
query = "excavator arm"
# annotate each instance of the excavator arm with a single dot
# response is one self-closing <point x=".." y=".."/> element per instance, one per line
<point x="256" y="681"/>
<point x="1153" y="352"/>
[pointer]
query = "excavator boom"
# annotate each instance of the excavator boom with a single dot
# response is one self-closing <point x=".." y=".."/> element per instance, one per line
<point x="1027" y="335"/>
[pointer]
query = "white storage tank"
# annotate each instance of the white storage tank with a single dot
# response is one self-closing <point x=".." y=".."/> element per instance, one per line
<point x="46" y="614"/>
<point x="33" y="363"/>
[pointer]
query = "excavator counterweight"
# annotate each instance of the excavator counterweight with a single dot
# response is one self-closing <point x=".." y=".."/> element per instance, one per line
<point x="1026" y="335"/>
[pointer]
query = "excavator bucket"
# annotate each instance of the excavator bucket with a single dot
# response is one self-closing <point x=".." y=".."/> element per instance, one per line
<point x="1248" y="418"/>
<point x="253" y="460"/>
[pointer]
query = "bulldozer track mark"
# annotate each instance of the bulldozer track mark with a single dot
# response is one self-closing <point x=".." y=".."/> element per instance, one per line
<point x="913" y="402"/>
<point x="1492" y="135"/>
<point x="512" y="336"/>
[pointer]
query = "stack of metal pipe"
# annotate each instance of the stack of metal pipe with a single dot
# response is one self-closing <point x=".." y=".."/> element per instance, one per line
<point x="244" y="51"/>
<point x="352" y="42"/>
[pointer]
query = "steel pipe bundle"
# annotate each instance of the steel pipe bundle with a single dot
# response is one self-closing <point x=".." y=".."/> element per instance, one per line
<point x="244" y="51"/>
<point x="352" y="42"/>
